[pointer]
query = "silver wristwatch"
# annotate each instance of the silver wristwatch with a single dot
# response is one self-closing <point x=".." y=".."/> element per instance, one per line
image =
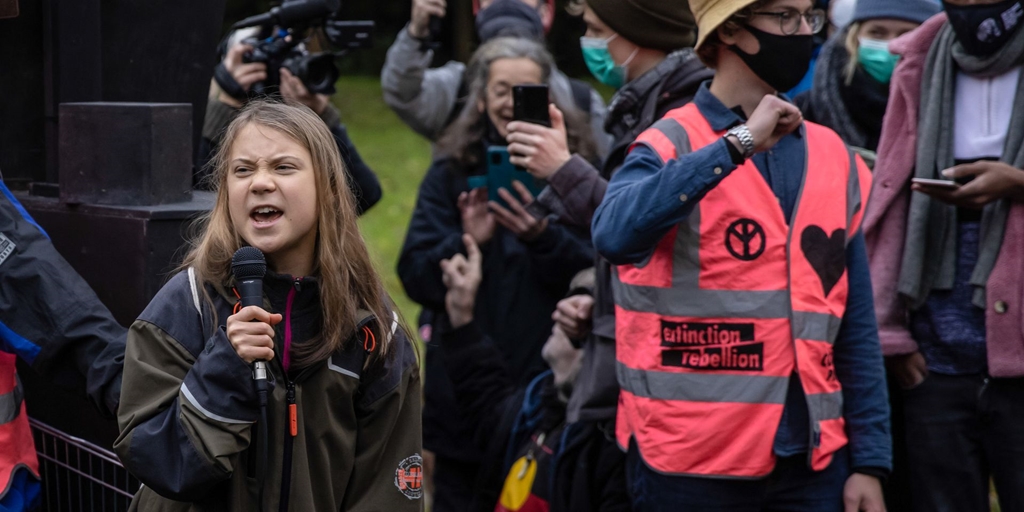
<point x="742" y="133"/>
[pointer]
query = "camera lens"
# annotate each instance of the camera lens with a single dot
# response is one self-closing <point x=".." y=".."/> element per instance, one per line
<point x="317" y="71"/>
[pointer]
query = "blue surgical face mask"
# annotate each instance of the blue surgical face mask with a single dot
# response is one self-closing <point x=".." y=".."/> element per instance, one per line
<point x="873" y="55"/>
<point x="600" y="63"/>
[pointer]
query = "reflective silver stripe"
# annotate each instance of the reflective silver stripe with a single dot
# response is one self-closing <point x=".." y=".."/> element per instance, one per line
<point x="676" y="134"/>
<point x="195" y="291"/>
<point x="853" y="198"/>
<point x="334" y="367"/>
<point x="825" y="406"/>
<point x="702" y="387"/>
<point x="694" y="302"/>
<point x="216" y="417"/>
<point x="815" y="326"/>
<point x="10" y="403"/>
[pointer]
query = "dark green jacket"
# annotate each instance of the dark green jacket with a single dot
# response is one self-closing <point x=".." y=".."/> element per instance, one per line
<point x="189" y="412"/>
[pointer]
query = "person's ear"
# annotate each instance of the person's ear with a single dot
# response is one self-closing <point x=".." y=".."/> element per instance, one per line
<point x="481" y="105"/>
<point x="547" y="15"/>
<point x="728" y="32"/>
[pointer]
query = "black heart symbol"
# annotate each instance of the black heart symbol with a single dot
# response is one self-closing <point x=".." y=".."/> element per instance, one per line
<point x="826" y="254"/>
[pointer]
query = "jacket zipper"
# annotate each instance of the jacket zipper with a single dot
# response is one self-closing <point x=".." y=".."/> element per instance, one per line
<point x="289" y="437"/>
<point x="292" y="410"/>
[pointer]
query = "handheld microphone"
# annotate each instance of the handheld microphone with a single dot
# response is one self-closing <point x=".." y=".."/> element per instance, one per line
<point x="249" y="266"/>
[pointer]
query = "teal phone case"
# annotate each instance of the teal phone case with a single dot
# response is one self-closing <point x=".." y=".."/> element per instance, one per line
<point x="501" y="172"/>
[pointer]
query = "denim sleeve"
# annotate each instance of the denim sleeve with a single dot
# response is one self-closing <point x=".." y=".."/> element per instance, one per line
<point x="859" y="367"/>
<point x="646" y="198"/>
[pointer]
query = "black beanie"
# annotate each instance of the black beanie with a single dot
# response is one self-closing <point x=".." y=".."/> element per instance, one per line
<point x="664" y="25"/>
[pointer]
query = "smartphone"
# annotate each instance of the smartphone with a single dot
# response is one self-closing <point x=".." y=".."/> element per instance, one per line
<point x="501" y="172"/>
<point x="530" y="104"/>
<point x="950" y="184"/>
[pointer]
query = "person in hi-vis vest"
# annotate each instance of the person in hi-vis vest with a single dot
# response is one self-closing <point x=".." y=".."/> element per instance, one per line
<point x="53" y="321"/>
<point x="746" y="340"/>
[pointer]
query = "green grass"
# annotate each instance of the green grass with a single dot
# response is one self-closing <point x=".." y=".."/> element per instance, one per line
<point x="400" y="158"/>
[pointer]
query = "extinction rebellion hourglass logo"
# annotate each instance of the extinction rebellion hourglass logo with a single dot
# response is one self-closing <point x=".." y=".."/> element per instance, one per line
<point x="711" y="346"/>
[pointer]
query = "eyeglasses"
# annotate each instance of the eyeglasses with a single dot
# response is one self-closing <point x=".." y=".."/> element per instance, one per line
<point x="789" y="20"/>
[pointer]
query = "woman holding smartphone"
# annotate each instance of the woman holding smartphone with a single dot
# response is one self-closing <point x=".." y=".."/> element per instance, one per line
<point x="528" y="261"/>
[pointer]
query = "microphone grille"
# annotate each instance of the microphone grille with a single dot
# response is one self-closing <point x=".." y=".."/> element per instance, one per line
<point x="247" y="263"/>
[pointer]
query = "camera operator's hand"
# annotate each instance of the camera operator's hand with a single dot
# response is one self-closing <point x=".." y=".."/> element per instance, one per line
<point x="422" y="10"/>
<point x="293" y="90"/>
<point x="462" y="276"/>
<point x="244" y="73"/>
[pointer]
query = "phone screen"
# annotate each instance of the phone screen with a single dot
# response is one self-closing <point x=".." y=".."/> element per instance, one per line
<point x="530" y="104"/>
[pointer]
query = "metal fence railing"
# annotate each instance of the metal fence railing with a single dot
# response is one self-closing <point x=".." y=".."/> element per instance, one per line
<point x="79" y="476"/>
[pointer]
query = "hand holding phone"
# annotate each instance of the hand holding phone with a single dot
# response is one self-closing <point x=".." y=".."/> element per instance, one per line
<point x="530" y="104"/>
<point x="501" y="173"/>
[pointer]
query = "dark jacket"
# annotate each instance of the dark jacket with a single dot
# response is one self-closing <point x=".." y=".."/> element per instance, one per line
<point x="585" y="472"/>
<point x="189" y="412"/>
<point x="522" y="283"/>
<point x="361" y="179"/>
<point x="50" y="318"/>
<point x="575" y="191"/>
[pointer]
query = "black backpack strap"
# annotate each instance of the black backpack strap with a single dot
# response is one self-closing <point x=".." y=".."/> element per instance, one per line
<point x="580" y="94"/>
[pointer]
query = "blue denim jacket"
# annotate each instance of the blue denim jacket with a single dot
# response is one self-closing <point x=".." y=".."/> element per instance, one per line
<point x="643" y="203"/>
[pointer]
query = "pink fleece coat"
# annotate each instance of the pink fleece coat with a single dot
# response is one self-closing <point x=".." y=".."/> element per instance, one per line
<point x="885" y="222"/>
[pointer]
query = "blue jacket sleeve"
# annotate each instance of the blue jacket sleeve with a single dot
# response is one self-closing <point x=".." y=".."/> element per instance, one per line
<point x="859" y="367"/>
<point x="646" y="197"/>
<point x="50" y="317"/>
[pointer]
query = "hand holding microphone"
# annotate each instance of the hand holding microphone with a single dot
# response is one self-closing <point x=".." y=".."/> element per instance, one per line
<point x="251" y="333"/>
<point x="251" y="330"/>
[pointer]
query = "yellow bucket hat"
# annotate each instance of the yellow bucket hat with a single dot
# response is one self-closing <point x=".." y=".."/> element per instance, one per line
<point x="712" y="13"/>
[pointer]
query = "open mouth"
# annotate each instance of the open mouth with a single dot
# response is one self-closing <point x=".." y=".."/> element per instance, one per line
<point x="265" y="214"/>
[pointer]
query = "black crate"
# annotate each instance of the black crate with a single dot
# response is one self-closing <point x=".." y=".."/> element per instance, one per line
<point x="125" y="154"/>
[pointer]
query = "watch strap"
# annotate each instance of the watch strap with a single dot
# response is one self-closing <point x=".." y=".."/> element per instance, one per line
<point x="742" y="134"/>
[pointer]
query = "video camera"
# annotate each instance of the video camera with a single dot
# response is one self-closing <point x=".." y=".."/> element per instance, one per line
<point x="282" y="32"/>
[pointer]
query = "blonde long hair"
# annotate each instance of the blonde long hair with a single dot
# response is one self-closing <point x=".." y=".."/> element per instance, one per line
<point x="852" y="45"/>
<point x="348" y="281"/>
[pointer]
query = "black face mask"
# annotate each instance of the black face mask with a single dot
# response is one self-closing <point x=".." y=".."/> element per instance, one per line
<point x="983" y="29"/>
<point x="782" y="61"/>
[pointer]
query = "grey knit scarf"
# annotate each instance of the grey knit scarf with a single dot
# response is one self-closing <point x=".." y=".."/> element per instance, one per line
<point x="929" y="253"/>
